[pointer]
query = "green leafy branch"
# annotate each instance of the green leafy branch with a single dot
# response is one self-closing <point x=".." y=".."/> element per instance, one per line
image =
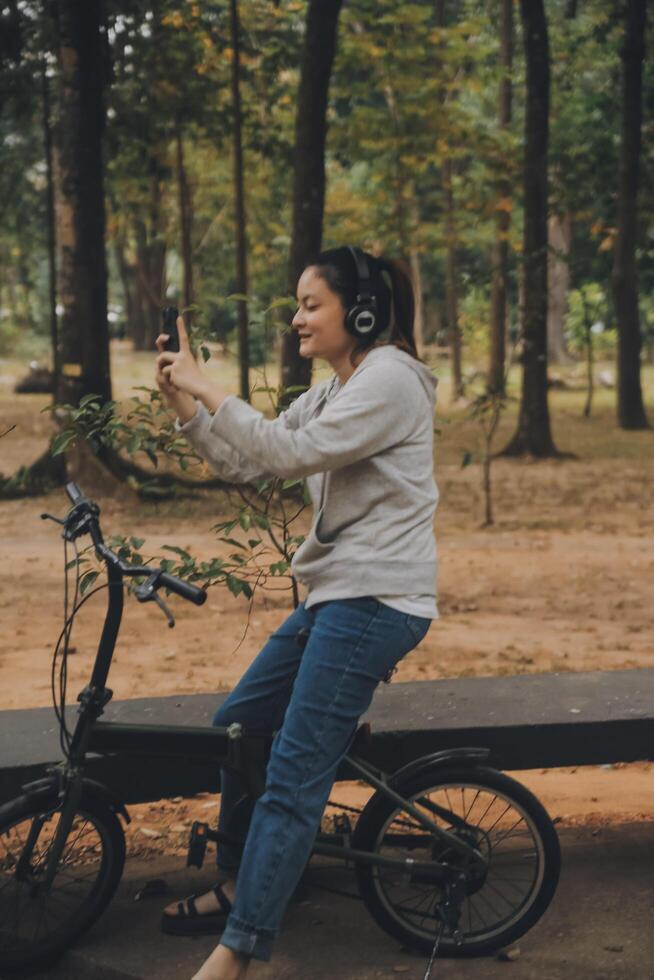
<point x="148" y="427"/>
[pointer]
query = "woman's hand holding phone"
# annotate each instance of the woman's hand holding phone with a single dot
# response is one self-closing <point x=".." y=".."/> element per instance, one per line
<point x="180" y="379"/>
<point x="178" y="376"/>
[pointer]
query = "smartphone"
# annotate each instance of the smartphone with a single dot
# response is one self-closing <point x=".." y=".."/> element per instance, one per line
<point x="169" y="316"/>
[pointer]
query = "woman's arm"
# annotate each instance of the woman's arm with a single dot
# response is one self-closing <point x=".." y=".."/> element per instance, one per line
<point x="192" y="396"/>
<point x="230" y="465"/>
<point x="375" y="410"/>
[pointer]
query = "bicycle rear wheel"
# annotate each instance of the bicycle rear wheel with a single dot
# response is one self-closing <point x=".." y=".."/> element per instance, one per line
<point x="485" y="809"/>
<point x="38" y="923"/>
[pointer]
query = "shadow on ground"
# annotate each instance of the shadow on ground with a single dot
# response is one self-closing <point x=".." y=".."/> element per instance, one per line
<point x="598" y="928"/>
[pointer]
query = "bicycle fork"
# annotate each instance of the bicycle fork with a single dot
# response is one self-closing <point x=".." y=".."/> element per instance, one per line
<point x="71" y="793"/>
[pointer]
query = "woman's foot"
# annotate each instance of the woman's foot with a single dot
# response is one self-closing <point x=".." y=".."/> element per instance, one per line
<point x="223" y="964"/>
<point x="205" y="913"/>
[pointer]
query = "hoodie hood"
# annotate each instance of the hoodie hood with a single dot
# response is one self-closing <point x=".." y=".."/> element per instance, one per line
<point x="424" y="374"/>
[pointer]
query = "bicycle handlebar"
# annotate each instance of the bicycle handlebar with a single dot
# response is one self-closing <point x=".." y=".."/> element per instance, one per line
<point x="184" y="589"/>
<point x="74" y="493"/>
<point x="88" y="521"/>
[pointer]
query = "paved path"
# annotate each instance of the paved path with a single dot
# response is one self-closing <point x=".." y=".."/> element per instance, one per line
<point x="600" y="927"/>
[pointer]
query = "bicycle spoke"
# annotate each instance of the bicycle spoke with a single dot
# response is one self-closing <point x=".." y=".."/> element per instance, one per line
<point x="477" y="912"/>
<point x="496" y="895"/>
<point x="490" y="886"/>
<point x="470" y="808"/>
<point x="32" y="914"/>
<point x="495" y="823"/>
<point x="507" y="834"/>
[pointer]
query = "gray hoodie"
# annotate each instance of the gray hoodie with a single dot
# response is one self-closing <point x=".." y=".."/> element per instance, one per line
<point x="366" y="450"/>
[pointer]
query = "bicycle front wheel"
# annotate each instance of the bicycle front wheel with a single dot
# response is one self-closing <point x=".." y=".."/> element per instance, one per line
<point x="39" y="921"/>
<point x="485" y="809"/>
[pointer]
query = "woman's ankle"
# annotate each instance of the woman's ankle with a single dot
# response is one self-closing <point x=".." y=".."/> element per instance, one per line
<point x="224" y="963"/>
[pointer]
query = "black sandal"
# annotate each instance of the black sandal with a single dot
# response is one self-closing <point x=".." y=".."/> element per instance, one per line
<point x="194" y="923"/>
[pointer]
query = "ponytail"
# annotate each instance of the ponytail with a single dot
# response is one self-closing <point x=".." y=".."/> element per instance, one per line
<point x="402" y="326"/>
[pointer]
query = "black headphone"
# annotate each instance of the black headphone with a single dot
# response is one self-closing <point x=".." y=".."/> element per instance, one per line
<point x="361" y="319"/>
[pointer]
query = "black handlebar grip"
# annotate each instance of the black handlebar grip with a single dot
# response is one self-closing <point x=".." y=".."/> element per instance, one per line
<point x="74" y="493"/>
<point x="183" y="589"/>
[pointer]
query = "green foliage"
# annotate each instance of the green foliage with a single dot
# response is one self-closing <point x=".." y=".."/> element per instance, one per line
<point x="245" y="568"/>
<point x="587" y="314"/>
<point x="406" y="95"/>
<point x="146" y="428"/>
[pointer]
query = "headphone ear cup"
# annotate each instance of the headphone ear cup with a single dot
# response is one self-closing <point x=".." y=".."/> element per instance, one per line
<point x="361" y="320"/>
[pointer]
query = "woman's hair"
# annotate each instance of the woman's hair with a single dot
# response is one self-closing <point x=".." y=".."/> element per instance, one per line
<point x="390" y="280"/>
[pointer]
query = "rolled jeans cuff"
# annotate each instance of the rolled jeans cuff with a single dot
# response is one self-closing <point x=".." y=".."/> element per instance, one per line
<point x="241" y="938"/>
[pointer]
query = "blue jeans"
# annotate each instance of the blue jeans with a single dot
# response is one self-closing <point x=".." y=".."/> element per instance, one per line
<point x="313" y="699"/>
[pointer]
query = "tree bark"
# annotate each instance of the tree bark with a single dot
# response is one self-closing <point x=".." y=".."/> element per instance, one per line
<point x="239" y="205"/>
<point x="452" y="281"/>
<point x="151" y="263"/>
<point x="128" y="278"/>
<point x="533" y="435"/>
<point x="500" y="256"/>
<point x="83" y="335"/>
<point x="309" y="170"/>
<point x="451" y="258"/>
<point x="50" y="212"/>
<point x="624" y="279"/>
<point x="416" y="272"/>
<point x="406" y="212"/>
<point x="558" y="285"/>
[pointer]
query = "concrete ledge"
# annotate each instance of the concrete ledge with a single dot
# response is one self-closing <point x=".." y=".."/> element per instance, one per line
<point x="527" y="721"/>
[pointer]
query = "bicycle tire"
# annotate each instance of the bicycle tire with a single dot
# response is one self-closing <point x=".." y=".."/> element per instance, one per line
<point x="99" y="852"/>
<point x="374" y="833"/>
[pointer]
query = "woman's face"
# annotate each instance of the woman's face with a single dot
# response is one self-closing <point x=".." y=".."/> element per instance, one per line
<point x="320" y="318"/>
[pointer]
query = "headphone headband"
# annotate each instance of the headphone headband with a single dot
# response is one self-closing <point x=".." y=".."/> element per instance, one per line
<point x="364" y="292"/>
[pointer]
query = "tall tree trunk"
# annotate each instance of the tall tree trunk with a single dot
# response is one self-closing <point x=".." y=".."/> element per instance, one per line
<point x="150" y="263"/>
<point x="630" y="407"/>
<point x="404" y="188"/>
<point x="50" y="219"/>
<point x="451" y="258"/>
<point x="533" y="435"/>
<point x="84" y="335"/>
<point x="185" y="217"/>
<point x="416" y="272"/>
<point x="400" y="179"/>
<point x="239" y="204"/>
<point x="452" y="281"/>
<point x="128" y="278"/>
<point x="309" y="170"/>
<point x="138" y="327"/>
<point x="406" y="206"/>
<point x="500" y="257"/>
<point x="558" y="285"/>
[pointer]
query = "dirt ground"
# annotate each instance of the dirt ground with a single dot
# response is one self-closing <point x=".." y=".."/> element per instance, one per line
<point x="564" y="581"/>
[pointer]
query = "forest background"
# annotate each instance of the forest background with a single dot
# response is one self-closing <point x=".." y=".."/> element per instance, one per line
<point x="196" y="153"/>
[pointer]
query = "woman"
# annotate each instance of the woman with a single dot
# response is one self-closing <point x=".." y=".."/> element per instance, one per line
<point x="364" y="441"/>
